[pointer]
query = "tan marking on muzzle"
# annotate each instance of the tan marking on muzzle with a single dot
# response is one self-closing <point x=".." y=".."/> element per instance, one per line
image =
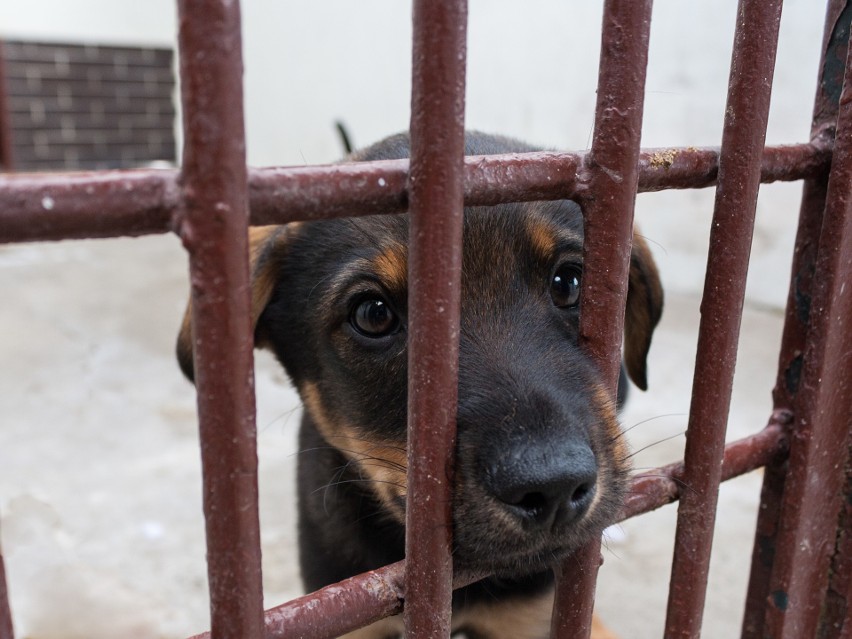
<point x="383" y="462"/>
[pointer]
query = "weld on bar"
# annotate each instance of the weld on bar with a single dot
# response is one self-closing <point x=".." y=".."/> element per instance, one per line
<point x="212" y="222"/>
<point x="612" y="175"/>
<point x="746" y="116"/>
<point x="132" y="203"/>
<point x="436" y="196"/>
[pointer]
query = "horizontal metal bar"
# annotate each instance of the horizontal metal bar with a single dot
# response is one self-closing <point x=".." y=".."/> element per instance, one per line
<point x="56" y="206"/>
<point x="379" y="593"/>
<point x="656" y="488"/>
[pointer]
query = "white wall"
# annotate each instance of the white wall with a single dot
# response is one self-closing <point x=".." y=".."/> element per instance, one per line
<point x="532" y="74"/>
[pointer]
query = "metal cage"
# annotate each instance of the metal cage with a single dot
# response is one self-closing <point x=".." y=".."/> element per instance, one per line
<point x="802" y="560"/>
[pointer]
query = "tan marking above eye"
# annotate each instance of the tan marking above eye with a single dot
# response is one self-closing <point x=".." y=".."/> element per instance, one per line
<point x="391" y="265"/>
<point x="542" y="238"/>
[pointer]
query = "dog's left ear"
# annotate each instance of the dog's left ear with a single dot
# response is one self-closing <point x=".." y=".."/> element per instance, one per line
<point x="644" y="307"/>
<point x="264" y="257"/>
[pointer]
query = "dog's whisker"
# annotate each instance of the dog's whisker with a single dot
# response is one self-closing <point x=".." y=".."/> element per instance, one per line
<point x="367" y="480"/>
<point x="624" y="431"/>
<point x="651" y="445"/>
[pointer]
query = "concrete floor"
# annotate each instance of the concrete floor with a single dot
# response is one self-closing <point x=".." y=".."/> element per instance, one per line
<point x="99" y="466"/>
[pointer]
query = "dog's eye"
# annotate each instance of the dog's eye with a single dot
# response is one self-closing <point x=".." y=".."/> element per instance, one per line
<point x="374" y="318"/>
<point x="565" y="286"/>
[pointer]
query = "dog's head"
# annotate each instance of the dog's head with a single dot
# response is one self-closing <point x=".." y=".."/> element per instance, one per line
<point x="541" y="464"/>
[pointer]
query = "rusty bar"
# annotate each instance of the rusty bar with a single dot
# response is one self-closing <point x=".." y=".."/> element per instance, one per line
<point x="836" y="620"/>
<point x="86" y="205"/>
<point x="213" y="226"/>
<point x="656" y="488"/>
<point x="117" y="203"/>
<point x="746" y="116"/>
<point x="611" y="170"/>
<point x="798" y="309"/>
<point x="7" y="156"/>
<point x="813" y="488"/>
<point x="356" y="601"/>
<point x="436" y="203"/>
<point x="6" y="627"/>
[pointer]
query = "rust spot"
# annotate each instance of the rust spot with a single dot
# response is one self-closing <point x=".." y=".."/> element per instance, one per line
<point x="663" y="159"/>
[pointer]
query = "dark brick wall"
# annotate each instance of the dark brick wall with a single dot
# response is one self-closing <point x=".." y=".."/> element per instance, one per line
<point x="74" y="107"/>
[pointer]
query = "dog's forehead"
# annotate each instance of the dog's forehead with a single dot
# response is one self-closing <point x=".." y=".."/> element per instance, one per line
<point x="499" y="241"/>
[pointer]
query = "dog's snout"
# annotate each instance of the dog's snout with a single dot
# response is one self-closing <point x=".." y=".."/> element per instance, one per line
<point x="545" y="486"/>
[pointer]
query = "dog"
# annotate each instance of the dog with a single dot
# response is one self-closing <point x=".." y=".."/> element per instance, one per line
<point x="541" y="466"/>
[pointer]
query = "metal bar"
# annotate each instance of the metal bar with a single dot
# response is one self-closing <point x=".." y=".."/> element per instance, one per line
<point x="661" y="486"/>
<point x="7" y="159"/>
<point x="746" y="116"/>
<point x="797" y="313"/>
<point x="612" y="174"/>
<point x="836" y="620"/>
<point x="436" y="202"/>
<point x="87" y="205"/>
<point x="56" y="206"/>
<point x="813" y="492"/>
<point x="6" y="627"/>
<point x="213" y="225"/>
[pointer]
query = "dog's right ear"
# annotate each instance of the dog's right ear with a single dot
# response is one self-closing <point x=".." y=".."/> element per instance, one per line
<point x="266" y="244"/>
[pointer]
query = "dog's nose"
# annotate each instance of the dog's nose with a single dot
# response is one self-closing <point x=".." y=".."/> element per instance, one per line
<point x="545" y="486"/>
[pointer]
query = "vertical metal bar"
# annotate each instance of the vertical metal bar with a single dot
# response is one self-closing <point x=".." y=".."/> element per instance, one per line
<point x="838" y="15"/>
<point x="6" y="153"/>
<point x="6" y="630"/>
<point x="436" y="204"/>
<point x="744" y="134"/>
<point x="836" y="618"/>
<point x="612" y="172"/>
<point x="213" y="226"/>
<point x="813" y="492"/>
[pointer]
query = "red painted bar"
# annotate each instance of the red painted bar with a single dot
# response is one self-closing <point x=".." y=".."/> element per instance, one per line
<point x="743" y="137"/>
<point x="835" y="620"/>
<point x="55" y="206"/>
<point x="796" y="320"/>
<point x="212" y="223"/>
<point x="813" y="492"/>
<point x="436" y="201"/>
<point x="611" y="170"/>
<point x="59" y="206"/>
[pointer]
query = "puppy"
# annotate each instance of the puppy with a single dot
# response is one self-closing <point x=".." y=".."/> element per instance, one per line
<point x="541" y="463"/>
